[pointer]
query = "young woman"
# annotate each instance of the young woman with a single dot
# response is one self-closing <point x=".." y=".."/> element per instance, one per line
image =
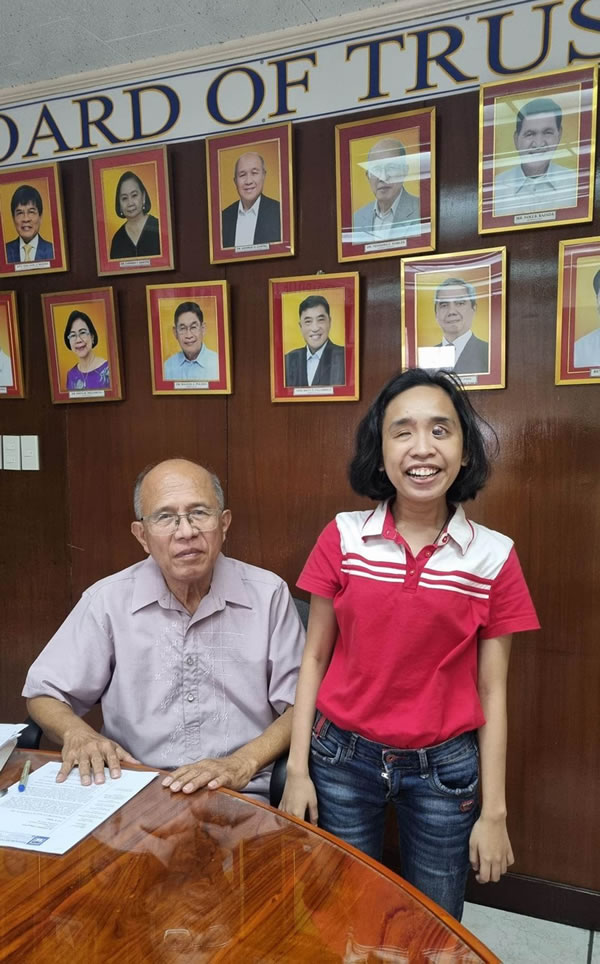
<point x="407" y="652"/>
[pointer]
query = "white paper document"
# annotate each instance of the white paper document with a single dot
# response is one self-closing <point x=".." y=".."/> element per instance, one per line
<point x="52" y="817"/>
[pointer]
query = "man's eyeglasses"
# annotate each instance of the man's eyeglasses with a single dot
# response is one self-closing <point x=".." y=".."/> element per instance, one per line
<point x="202" y="520"/>
<point x="183" y="329"/>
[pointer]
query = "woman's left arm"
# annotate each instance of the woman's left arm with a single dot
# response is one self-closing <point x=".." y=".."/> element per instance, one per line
<point x="490" y="852"/>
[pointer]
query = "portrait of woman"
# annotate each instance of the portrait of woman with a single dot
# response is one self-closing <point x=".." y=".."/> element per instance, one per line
<point x="140" y="235"/>
<point x="91" y="371"/>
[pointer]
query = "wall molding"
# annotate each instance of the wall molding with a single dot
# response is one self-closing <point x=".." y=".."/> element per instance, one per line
<point x="245" y="48"/>
<point x="536" y="897"/>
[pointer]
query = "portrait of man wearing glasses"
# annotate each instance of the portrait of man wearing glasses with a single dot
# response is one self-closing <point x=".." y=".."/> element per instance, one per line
<point x="195" y="362"/>
<point x="394" y="212"/>
<point x="193" y="656"/>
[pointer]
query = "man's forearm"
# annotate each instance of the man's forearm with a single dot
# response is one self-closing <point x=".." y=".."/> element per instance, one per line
<point x="54" y="717"/>
<point x="274" y="741"/>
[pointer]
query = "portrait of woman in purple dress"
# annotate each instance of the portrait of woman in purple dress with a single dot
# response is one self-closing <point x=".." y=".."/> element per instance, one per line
<point x="140" y="235"/>
<point x="91" y="371"/>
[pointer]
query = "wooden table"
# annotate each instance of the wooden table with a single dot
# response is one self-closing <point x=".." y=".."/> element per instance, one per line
<point x="213" y="877"/>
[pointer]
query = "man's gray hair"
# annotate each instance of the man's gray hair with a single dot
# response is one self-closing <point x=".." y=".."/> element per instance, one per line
<point x="260" y="157"/>
<point x="137" y="489"/>
<point x="452" y="283"/>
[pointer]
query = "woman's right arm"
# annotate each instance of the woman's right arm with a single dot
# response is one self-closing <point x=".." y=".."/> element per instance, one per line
<point x="299" y="793"/>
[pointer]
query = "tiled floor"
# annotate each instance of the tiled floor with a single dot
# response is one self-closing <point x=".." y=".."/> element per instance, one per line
<point x="516" y="939"/>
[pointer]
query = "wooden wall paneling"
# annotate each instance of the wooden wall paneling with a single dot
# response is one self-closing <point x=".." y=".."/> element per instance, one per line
<point x="109" y="444"/>
<point x="34" y="516"/>
<point x="284" y="466"/>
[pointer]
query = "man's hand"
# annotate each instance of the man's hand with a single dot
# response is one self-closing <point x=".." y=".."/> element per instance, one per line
<point x="299" y="795"/>
<point x="233" y="771"/>
<point x="91" y="751"/>
<point x="490" y="852"/>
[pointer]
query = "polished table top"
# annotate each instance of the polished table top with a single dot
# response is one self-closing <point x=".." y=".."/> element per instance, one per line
<point x="213" y="877"/>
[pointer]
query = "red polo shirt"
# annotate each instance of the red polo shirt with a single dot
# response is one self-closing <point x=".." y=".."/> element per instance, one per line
<point x="404" y="665"/>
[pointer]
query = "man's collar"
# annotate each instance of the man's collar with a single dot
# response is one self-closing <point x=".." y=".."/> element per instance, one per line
<point x="250" y="210"/>
<point x="191" y="361"/>
<point x="33" y="241"/>
<point x="317" y="353"/>
<point x="460" y="342"/>
<point x="226" y="585"/>
<point x="550" y="178"/>
<point x="393" y="208"/>
<point x="149" y="585"/>
<point x="459" y="528"/>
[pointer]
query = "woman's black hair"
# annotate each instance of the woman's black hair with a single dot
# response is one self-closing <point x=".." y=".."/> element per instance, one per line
<point x="365" y="472"/>
<point x="73" y="317"/>
<point x="131" y="176"/>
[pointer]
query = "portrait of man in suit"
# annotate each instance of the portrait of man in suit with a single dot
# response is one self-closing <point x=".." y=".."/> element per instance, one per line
<point x="394" y="212"/>
<point x="26" y="208"/>
<point x="455" y="305"/>
<point x="255" y="218"/>
<point x="320" y="362"/>
<point x="536" y="181"/>
<point x="586" y="350"/>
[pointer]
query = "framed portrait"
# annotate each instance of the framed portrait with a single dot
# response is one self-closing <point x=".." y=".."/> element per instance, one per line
<point x="32" y="231"/>
<point x="190" y="342"/>
<point x="314" y="338"/>
<point x="537" y="145"/>
<point x="11" y="366"/>
<point x="250" y="194"/>
<point x="578" y="313"/>
<point x="385" y="173"/>
<point x="453" y="307"/>
<point x="132" y="211"/>
<point x="83" y="346"/>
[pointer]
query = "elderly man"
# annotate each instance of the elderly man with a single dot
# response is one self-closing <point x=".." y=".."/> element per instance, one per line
<point x="26" y="208"/>
<point x="194" y="656"/>
<point x="195" y="362"/>
<point x="395" y="212"/>
<point x="586" y="351"/>
<point x="537" y="182"/>
<point x="321" y="362"/>
<point x="255" y="218"/>
<point x="455" y="306"/>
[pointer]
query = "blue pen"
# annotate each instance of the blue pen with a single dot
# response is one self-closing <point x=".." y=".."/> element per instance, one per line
<point x="24" y="776"/>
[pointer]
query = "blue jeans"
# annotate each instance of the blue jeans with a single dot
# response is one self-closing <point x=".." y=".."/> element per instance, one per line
<point x="434" y="791"/>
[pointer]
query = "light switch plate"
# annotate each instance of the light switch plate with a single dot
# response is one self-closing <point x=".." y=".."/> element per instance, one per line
<point x="11" y="452"/>
<point x="30" y="452"/>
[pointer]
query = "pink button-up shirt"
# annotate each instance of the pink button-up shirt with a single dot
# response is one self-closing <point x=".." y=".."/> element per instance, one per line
<point x="177" y="688"/>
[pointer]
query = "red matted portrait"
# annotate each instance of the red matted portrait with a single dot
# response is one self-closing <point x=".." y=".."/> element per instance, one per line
<point x="190" y="341"/>
<point x="11" y="366"/>
<point x="537" y="145"/>
<point x="385" y="173"/>
<point x="32" y="232"/>
<point x="453" y="306"/>
<point x="83" y="346"/>
<point x="132" y="211"/>
<point x="578" y="313"/>
<point x="314" y="338"/>
<point x="250" y="194"/>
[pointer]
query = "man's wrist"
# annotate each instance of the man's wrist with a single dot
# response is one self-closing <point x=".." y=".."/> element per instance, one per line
<point x="249" y="762"/>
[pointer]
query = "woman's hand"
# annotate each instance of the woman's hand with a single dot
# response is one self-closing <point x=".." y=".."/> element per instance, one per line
<point x="490" y="852"/>
<point x="299" y="795"/>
